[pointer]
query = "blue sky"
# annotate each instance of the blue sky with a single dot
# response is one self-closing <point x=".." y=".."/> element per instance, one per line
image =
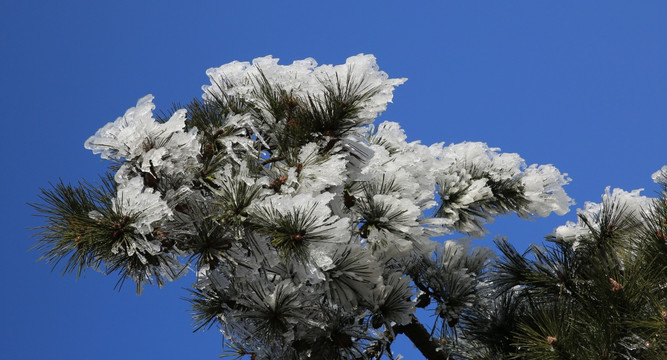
<point x="581" y="85"/>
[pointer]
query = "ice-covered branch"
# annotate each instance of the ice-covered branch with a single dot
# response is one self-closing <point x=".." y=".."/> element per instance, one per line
<point x="313" y="231"/>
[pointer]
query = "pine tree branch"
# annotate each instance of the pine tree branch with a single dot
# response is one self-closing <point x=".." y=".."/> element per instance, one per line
<point x="419" y="336"/>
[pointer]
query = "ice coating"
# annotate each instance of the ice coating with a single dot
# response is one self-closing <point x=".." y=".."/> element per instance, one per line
<point x="304" y="78"/>
<point x="143" y="144"/>
<point x="660" y="175"/>
<point x="630" y="203"/>
<point x="360" y="207"/>
<point x="143" y="203"/>
<point x="124" y="138"/>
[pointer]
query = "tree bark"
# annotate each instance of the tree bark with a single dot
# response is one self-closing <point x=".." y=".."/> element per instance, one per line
<point x="419" y="336"/>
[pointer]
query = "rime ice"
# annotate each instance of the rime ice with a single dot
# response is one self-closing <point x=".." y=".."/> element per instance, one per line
<point x="303" y="218"/>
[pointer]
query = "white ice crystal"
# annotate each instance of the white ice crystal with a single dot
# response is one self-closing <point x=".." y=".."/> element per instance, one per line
<point x="125" y="137"/>
<point x="304" y="78"/>
<point x="143" y="203"/>
<point x="660" y="175"/>
<point x="330" y="227"/>
<point x="543" y="187"/>
<point x="632" y="204"/>
<point x="411" y="165"/>
<point x="315" y="172"/>
<point x="471" y="167"/>
<point x="151" y="146"/>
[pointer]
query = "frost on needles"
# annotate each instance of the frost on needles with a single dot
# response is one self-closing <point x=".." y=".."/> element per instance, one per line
<point x="313" y="231"/>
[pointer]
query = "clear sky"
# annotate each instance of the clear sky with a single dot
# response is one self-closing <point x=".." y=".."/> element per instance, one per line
<point x="578" y="84"/>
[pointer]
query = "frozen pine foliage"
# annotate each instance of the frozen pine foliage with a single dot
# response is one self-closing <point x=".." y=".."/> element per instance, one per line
<point x="617" y="205"/>
<point x="597" y="290"/>
<point x="313" y="231"/>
